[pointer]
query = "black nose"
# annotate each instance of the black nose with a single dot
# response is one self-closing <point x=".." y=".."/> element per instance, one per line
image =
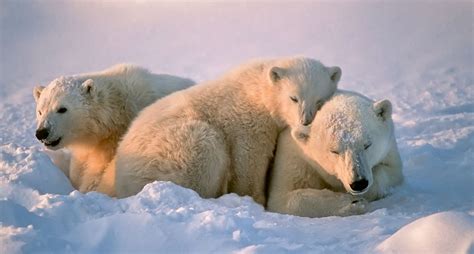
<point x="305" y="122"/>
<point x="359" y="185"/>
<point x="42" y="133"/>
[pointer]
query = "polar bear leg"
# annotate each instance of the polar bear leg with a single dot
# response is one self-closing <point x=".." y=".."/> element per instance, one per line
<point x="190" y="154"/>
<point x="61" y="158"/>
<point x="296" y="188"/>
<point x="320" y="203"/>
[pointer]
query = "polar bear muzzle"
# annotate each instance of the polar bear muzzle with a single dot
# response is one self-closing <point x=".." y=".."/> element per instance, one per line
<point x="359" y="185"/>
<point x="42" y="135"/>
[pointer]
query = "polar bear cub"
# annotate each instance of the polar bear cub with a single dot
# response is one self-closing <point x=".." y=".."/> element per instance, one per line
<point x="219" y="137"/>
<point x="89" y="113"/>
<point x="350" y="155"/>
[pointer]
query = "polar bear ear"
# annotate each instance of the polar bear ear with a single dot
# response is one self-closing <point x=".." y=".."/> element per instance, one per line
<point x="276" y="74"/>
<point x="37" y="92"/>
<point x="335" y="74"/>
<point x="383" y="109"/>
<point x="87" y="87"/>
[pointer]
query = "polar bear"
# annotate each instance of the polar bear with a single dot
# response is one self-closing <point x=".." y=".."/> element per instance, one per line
<point x="219" y="137"/>
<point x="349" y="157"/>
<point x="88" y="114"/>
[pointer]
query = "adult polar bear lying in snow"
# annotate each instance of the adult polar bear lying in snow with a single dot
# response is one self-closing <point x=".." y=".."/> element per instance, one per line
<point x="89" y="113"/>
<point x="220" y="136"/>
<point x="350" y="155"/>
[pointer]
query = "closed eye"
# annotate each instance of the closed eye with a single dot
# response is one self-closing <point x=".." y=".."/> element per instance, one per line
<point x="62" y="110"/>
<point x="294" y="99"/>
<point x="334" y="152"/>
<point x="366" y="146"/>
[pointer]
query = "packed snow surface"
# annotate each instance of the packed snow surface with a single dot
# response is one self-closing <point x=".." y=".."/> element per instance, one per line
<point x="417" y="54"/>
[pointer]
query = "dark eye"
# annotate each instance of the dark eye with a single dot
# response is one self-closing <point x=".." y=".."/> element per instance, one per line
<point x="294" y="99"/>
<point x="39" y="112"/>
<point x="367" y="146"/>
<point x="62" y="110"/>
<point x="335" y="152"/>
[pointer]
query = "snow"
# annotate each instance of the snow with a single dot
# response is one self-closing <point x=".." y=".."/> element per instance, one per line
<point x="423" y="234"/>
<point x="417" y="54"/>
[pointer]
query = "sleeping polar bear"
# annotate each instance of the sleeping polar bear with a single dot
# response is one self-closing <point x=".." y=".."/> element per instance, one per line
<point x="350" y="156"/>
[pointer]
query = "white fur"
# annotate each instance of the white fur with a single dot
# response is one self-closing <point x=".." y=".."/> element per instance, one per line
<point x="100" y="107"/>
<point x="309" y="179"/>
<point x="219" y="136"/>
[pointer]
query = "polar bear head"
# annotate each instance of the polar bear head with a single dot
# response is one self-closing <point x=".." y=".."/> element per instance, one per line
<point x="304" y="85"/>
<point x="350" y="135"/>
<point x="63" y="111"/>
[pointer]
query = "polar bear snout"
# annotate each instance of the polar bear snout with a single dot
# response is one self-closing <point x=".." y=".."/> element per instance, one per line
<point x="308" y="113"/>
<point x="307" y="117"/>
<point x="42" y="133"/>
<point x="359" y="185"/>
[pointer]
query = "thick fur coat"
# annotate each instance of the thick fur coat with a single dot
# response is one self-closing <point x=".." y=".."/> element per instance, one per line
<point x="219" y="137"/>
<point x="89" y="113"/>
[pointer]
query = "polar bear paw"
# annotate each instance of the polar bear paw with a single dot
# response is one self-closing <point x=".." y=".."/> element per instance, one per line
<point x="354" y="207"/>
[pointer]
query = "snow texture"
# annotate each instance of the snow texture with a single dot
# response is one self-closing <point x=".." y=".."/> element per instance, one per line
<point x="417" y="54"/>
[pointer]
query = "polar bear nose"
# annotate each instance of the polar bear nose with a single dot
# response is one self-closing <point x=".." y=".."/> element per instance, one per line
<point x="42" y="133"/>
<point x="305" y="122"/>
<point x="359" y="185"/>
<point x="307" y="117"/>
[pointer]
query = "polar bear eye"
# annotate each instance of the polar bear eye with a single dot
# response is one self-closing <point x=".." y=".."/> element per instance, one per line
<point x="334" y="152"/>
<point x="294" y="99"/>
<point x="40" y="113"/>
<point x="62" y="110"/>
<point x="366" y="146"/>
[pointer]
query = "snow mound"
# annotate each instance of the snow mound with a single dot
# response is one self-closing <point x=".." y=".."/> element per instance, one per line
<point x="163" y="218"/>
<point x="30" y="168"/>
<point x="445" y="232"/>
